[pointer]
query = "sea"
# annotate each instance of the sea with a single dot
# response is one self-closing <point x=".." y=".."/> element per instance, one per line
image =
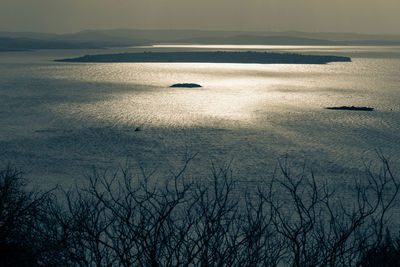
<point x="60" y="121"/>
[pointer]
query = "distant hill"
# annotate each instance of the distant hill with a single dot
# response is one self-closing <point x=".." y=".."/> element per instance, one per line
<point x="104" y="39"/>
<point x="259" y="40"/>
<point x="17" y="44"/>
<point x="173" y="35"/>
<point x="131" y="37"/>
<point x="342" y="37"/>
<point x="15" y="41"/>
<point x="31" y="35"/>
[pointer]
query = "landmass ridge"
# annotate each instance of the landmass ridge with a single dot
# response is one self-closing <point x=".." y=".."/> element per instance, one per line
<point x="209" y="57"/>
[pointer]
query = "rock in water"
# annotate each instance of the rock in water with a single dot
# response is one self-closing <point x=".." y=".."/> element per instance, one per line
<point x="186" y="85"/>
<point x="351" y="108"/>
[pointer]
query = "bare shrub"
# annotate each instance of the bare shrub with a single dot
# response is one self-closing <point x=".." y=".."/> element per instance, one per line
<point x="23" y="239"/>
<point x="318" y="227"/>
<point x="120" y="219"/>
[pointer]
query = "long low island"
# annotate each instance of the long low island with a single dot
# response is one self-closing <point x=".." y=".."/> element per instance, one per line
<point x="211" y="57"/>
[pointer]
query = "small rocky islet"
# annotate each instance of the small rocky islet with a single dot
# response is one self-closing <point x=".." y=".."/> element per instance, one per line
<point x="351" y="108"/>
<point x="185" y="85"/>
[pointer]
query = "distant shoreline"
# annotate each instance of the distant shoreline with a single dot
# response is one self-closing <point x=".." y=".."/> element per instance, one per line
<point x="208" y="57"/>
<point x="14" y="50"/>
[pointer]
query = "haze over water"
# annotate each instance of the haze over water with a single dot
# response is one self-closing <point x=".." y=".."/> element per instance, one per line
<point x="60" y="119"/>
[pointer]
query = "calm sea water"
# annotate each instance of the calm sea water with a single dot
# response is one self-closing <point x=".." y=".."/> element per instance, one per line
<point x="57" y="120"/>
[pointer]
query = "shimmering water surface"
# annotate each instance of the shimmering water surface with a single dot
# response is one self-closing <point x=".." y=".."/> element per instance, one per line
<point x="59" y="119"/>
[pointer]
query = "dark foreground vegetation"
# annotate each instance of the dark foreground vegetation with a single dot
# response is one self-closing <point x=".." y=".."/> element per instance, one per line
<point x="122" y="220"/>
<point x="213" y="57"/>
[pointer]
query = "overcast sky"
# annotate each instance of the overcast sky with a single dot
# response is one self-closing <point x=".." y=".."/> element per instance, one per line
<point x="60" y="16"/>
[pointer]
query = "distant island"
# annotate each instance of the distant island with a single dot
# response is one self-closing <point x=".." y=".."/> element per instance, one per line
<point x="351" y="108"/>
<point x="186" y="85"/>
<point x="211" y="57"/>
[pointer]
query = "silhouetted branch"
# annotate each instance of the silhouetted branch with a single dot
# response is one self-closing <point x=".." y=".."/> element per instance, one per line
<point x="119" y="219"/>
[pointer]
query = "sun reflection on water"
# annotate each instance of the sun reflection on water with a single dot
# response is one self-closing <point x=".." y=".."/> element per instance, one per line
<point x="229" y="92"/>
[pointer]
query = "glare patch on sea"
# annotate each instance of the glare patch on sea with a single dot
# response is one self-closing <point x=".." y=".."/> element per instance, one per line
<point x="229" y="93"/>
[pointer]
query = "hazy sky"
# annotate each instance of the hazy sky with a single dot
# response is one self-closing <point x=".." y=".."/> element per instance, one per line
<point x="364" y="16"/>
